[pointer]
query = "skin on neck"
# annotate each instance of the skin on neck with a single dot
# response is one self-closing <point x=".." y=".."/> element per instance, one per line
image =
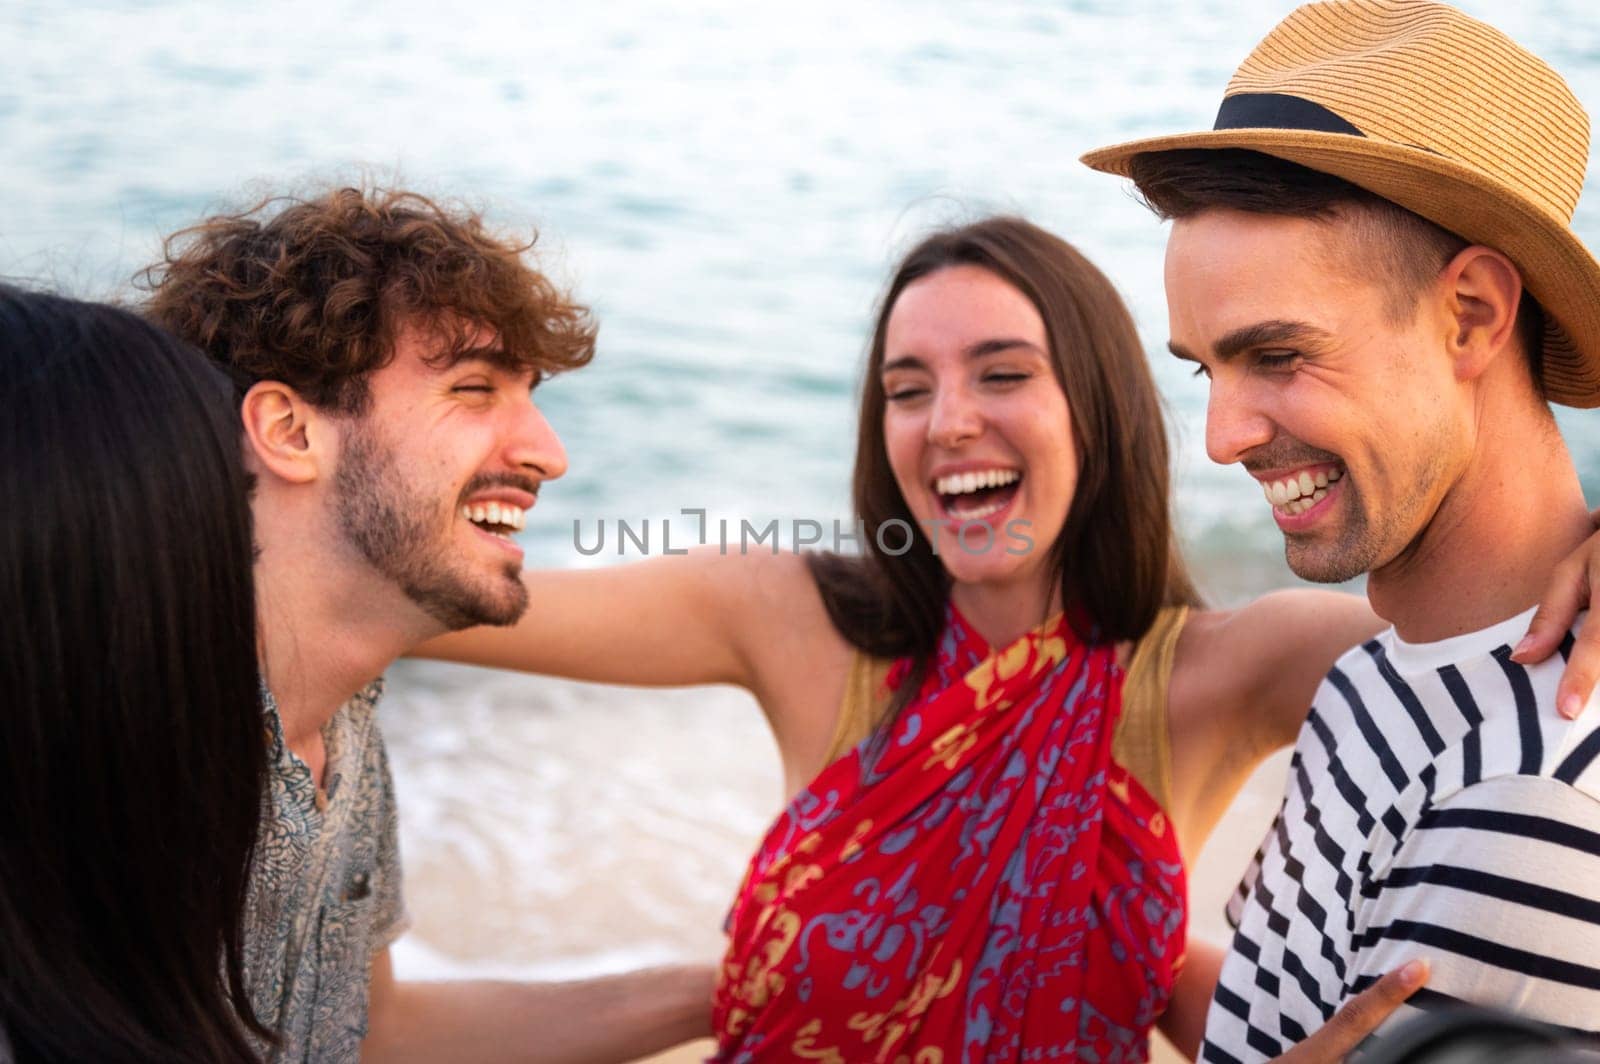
<point x="329" y="623"/>
<point x="1513" y="507"/>
<point x="1003" y="613"/>
<point x="1487" y="552"/>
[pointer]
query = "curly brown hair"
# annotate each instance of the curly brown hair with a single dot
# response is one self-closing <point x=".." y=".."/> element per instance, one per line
<point x="314" y="291"/>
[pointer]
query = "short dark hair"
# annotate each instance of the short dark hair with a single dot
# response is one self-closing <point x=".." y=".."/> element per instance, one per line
<point x="1407" y="249"/>
<point x="1116" y="559"/>
<point x="132" y="750"/>
<point x="313" y="292"/>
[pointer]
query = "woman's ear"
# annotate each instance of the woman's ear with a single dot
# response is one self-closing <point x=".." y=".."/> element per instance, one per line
<point x="1483" y="290"/>
<point x="289" y="438"/>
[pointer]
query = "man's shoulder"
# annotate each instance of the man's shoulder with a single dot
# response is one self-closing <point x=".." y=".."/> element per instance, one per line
<point x="1429" y="700"/>
<point x="1496" y="887"/>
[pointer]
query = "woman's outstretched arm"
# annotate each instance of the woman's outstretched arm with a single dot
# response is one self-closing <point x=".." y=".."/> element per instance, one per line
<point x="753" y="620"/>
<point x="698" y="618"/>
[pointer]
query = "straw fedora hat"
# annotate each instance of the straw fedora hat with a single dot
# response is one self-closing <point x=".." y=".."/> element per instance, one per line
<point x="1448" y="117"/>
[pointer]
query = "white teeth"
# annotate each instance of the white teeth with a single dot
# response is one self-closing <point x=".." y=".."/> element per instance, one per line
<point x="1299" y="493"/>
<point x="977" y="513"/>
<point x="966" y="483"/>
<point x="496" y="513"/>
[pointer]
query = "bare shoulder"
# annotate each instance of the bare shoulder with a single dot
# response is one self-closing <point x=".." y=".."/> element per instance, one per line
<point x="1256" y="668"/>
<point x="798" y="660"/>
<point x="1201" y="676"/>
<point x="782" y="603"/>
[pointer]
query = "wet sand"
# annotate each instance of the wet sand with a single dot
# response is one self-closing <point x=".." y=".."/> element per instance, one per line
<point x="553" y="830"/>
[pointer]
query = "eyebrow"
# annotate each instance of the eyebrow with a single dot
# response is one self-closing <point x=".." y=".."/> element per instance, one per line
<point x="981" y="349"/>
<point x="1259" y="334"/>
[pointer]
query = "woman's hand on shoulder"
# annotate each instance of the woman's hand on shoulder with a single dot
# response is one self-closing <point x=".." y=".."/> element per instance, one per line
<point x="1572" y="588"/>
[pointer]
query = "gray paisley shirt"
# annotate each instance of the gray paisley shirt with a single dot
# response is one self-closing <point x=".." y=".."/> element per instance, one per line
<point x="325" y="889"/>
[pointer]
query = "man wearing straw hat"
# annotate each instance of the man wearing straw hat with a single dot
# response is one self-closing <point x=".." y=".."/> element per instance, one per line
<point x="1371" y="259"/>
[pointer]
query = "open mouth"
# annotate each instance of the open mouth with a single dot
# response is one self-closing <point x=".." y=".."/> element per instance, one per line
<point x="496" y="518"/>
<point x="979" y="494"/>
<point x="1294" y="495"/>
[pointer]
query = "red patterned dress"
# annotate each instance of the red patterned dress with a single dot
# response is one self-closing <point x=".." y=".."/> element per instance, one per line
<point x="984" y="883"/>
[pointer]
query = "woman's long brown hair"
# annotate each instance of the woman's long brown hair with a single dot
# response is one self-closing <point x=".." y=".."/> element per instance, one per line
<point x="1116" y="560"/>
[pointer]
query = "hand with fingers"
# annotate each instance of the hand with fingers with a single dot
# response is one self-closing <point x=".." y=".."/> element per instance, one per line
<point x="1573" y="586"/>
<point x="1359" y="1017"/>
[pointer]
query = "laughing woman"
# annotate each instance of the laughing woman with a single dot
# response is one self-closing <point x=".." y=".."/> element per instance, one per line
<point x="1006" y="726"/>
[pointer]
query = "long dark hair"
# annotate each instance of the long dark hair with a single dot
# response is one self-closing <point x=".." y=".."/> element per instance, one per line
<point x="1115" y="561"/>
<point x="132" y="751"/>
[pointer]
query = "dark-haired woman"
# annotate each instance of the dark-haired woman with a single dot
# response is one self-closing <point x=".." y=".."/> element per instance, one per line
<point x="132" y="756"/>
<point x="983" y="853"/>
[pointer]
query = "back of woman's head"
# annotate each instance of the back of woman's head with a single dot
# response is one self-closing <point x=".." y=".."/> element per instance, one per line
<point x="132" y="755"/>
<point x="1114" y="560"/>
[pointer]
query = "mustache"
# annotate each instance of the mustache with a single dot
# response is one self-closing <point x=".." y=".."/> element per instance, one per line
<point x="1283" y="454"/>
<point x="500" y="480"/>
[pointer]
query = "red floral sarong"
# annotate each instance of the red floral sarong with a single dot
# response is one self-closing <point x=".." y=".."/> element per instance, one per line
<point x="983" y="884"/>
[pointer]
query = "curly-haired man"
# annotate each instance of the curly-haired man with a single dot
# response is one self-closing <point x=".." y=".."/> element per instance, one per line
<point x="386" y="348"/>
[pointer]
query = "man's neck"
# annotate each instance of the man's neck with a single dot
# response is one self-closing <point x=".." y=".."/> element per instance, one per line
<point x="1489" y="550"/>
<point x="329" y="625"/>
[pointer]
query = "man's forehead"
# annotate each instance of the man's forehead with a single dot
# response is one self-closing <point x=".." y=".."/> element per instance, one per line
<point x="439" y="346"/>
<point x="437" y="335"/>
<point x="425" y="350"/>
<point x="1223" y="236"/>
<point x="1229" y="271"/>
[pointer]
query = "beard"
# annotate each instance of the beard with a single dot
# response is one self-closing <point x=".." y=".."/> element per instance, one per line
<point x="1363" y="541"/>
<point x="1356" y="551"/>
<point x="399" y="531"/>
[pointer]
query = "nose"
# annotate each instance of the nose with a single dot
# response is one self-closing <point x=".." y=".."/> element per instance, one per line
<point x="535" y="448"/>
<point x="1235" y="425"/>
<point x="955" y="419"/>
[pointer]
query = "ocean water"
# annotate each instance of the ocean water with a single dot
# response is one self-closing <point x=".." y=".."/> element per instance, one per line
<point x="727" y="184"/>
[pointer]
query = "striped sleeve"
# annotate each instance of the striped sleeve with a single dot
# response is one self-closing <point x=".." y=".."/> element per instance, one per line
<point x="1496" y="887"/>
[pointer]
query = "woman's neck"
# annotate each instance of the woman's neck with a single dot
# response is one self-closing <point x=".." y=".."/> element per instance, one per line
<point x="1002" y="613"/>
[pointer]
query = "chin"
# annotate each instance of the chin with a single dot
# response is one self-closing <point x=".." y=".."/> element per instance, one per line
<point x="505" y="608"/>
<point x="988" y="572"/>
<point x="1326" y="565"/>
<point x="500" y="604"/>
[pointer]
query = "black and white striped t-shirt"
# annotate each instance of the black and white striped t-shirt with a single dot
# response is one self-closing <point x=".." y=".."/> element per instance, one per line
<point x="1437" y="806"/>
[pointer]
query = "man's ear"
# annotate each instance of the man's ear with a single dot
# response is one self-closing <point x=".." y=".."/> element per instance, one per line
<point x="1483" y="290"/>
<point x="290" y="438"/>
